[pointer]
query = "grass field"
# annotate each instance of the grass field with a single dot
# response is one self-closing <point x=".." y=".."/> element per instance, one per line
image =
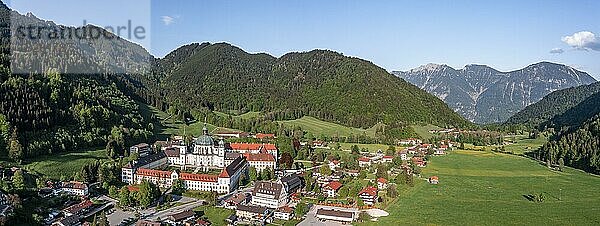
<point x="319" y="127"/>
<point x="423" y="130"/>
<point x="524" y="144"/>
<point x="215" y="215"/>
<point x="170" y="126"/>
<point x="247" y="115"/>
<point x="57" y="165"/>
<point x="486" y="188"/>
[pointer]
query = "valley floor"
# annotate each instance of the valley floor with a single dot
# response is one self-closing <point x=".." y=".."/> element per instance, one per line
<point x="487" y="188"/>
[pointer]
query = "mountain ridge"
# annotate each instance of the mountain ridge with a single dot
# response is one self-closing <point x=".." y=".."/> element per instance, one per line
<point x="483" y="94"/>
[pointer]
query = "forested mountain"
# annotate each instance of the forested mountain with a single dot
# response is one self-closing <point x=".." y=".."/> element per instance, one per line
<point x="485" y="95"/>
<point x="574" y="116"/>
<point x="578" y="147"/>
<point x="318" y="83"/>
<point x="556" y="104"/>
<point x="43" y="111"/>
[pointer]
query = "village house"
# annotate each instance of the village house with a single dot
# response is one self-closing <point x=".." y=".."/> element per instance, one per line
<point x="147" y="223"/>
<point x="264" y="136"/>
<point x="334" y="164"/>
<point x="336" y="215"/>
<point x="382" y="183"/>
<point x="269" y="194"/>
<point x="72" y="220"/>
<point x="368" y="195"/>
<point x="78" y="209"/>
<point x="387" y="159"/>
<point x="179" y="218"/>
<point x="425" y="147"/>
<point x="403" y="155"/>
<point x="439" y="151"/>
<point x="141" y="149"/>
<point x="330" y="189"/>
<point x="196" y="222"/>
<point x="251" y="213"/>
<point x="353" y="173"/>
<point x="418" y="161"/>
<point x="319" y="144"/>
<point x="237" y="199"/>
<point x="74" y="188"/>
<point x="284" y="213"/>
<point x="409" y="141"/>
<point x="364" y="162"/>
<point x="434" y="180"/>
<point x="291" y="183"/>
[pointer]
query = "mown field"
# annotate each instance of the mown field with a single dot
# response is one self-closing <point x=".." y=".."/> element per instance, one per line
<point x="171" y="126"/>
<point x="319" y="127"/>
<point x="486" y="188"/>
<point x="423" y="130"/>
<point x="67" y="164"/>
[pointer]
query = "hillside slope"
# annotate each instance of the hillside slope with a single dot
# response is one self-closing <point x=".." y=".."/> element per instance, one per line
<point x="554" y="105"/>
<point x="319" y="83"/>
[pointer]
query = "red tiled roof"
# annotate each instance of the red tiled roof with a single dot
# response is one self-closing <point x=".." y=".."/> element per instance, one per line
<point x="264" y="135"/>
<point x="79" y="206"/>
<point x="285" y="209"/>
<point x="335" y="162"/>
<point x="172" y="152"/>
<point x="153" y="173"/>
<point x="444" y="146"/>
<point x="132" y="188"/>
<point x="382" y="180"/>
<point x="259" y="157"/>
<point x="224" y="174"/>
<point x="74" y="185"/>
<point x="370" y="190"/>
<point x="388" y="157"/>
<point x="198" y="177"/>
<point x="335" y="185"/>
<point x="364" y="159"/>
<point x="434" y="178"/>
<point x="251" y="146"/>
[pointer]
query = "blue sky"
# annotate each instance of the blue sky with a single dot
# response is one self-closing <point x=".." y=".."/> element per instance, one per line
<point x="396" y="35"/>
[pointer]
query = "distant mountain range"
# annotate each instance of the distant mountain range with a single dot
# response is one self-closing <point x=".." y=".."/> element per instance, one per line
<point x="485" y="95"/>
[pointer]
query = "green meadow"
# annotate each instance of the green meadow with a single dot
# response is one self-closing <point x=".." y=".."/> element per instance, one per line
<point x="487" y="188"/>
<point x="319" y="127"/>
<point x="56" y="165"/>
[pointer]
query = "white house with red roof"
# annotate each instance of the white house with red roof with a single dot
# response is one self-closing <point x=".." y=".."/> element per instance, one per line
<point x="364" y="161"/>
<point x="334" y="164"/>
<point x="261" y="161"/>
<point x="330" y="189"/>
<point x="382" y="183"/>
<point x="387" y="158"/>
<point x="368" y="195"/>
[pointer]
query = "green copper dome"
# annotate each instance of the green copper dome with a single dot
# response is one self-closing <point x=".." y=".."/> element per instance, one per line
<point x="205" y="139"/>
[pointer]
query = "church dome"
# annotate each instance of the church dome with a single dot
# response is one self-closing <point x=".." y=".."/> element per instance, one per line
<point x="205" y="139"/>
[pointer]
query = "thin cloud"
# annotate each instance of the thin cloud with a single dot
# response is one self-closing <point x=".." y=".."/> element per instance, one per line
<point x="557" y="51"/>
<point x="167" y="20"/>
<point x="583" y="40"/>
